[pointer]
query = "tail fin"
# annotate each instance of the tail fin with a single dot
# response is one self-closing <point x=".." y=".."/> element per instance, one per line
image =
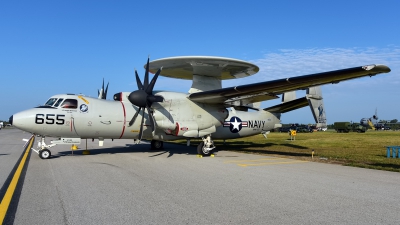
<point x="315" y="100"/>
<point x="288" y="96"/>
<point x="375" y="116"/>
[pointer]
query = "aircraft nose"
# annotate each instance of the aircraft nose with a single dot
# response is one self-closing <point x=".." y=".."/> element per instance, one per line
<point x="11" y="120"/>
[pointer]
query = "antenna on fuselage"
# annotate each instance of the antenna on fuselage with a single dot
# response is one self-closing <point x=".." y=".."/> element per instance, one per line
<point x="102" y="93"/>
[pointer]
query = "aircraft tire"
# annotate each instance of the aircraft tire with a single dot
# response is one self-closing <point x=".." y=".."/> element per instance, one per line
<point x="200" y="150"/>
<point x="44" y="154"/>
<point x="156" y="145"/>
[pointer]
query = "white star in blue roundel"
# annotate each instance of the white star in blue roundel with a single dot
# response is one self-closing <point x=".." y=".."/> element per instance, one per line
<point x="236" y="124"/>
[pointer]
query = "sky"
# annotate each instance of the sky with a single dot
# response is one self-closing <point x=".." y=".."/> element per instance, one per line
<point x="55" y="47"/>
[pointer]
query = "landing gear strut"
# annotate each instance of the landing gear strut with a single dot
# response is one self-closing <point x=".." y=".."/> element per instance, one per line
<point x="44" y="152"/>
<point x="206" y="146"/>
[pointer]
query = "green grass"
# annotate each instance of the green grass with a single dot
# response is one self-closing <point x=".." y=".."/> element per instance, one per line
<point x="367" y="150"/>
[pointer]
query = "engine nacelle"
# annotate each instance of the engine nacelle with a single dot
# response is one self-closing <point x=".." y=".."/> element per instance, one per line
<point x="121" y="96"/>
<point x="179" y="116"/>
<point x="188" y="129"/>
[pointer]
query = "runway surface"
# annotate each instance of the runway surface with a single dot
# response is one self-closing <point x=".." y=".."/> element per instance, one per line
<point x="122" y="183"/>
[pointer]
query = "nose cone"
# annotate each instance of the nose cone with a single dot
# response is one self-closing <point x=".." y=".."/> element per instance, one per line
<point x="24" y="120"/>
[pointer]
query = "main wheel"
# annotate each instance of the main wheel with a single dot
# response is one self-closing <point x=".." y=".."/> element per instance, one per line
<point x="44" y="154"/>
<point x="201" y="150"/>
<point x="156" y="145"/>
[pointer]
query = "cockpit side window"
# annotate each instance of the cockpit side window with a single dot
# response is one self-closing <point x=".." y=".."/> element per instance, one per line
<point x="51" y="101"/>
<point x="58" y="102"/>
<point x="70" y="104"/>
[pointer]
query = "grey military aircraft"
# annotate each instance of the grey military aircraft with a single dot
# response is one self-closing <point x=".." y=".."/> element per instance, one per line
<point x="369" y="122"/>
<point x="207" y="111"/>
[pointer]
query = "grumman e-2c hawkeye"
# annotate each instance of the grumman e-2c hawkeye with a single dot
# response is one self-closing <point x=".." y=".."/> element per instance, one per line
<point x="163" y="115"/>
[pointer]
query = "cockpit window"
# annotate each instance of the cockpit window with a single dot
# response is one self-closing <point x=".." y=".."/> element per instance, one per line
<point x="58" y="102"/>
<point x="51" y="101"/>
<point x="70" y="104"/>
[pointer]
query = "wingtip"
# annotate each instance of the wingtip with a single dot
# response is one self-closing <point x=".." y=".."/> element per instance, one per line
<point x="379" y="68"/>
<point x="383" y="68"/>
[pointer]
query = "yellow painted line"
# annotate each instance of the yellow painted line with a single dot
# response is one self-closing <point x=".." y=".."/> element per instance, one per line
<point x="5" y="203"/>
<point x="252" y="160"/>
<point x="272" y="163"/>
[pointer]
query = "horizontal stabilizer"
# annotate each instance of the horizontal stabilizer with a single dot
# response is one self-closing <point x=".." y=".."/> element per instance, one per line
<point x="288" y="106"/>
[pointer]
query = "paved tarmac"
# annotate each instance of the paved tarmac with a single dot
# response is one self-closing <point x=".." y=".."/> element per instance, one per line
<point x="122" y="183"/>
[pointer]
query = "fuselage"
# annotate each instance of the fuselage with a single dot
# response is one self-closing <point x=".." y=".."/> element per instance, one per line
<point x="78" y="116"/>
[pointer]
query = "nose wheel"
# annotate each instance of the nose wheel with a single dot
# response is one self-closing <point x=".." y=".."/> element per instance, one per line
<point x="44" y="154"/>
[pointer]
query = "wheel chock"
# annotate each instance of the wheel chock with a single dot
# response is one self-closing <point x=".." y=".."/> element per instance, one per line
<point x="199" y="156"/>
<point x="85" y="152"/>
<point x="212" y="155"/>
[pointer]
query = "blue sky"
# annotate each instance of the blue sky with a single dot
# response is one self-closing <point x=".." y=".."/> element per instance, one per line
<point x="54" y="47"/>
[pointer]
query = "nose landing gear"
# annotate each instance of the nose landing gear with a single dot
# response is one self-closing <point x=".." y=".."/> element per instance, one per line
<point x="43" y="149"/>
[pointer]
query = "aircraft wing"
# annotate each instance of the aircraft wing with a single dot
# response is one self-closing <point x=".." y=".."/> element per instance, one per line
<point x="267" y="90"/>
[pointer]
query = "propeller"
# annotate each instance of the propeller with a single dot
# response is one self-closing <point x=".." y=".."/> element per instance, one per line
<point x="143" y="98"/>
<point x="102" y="93"/>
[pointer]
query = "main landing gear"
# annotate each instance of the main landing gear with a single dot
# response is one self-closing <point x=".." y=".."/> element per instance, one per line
<point x="156" y="144"/>
<point x="206" y="146"/>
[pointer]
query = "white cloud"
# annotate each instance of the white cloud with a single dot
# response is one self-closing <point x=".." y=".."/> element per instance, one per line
<point x="296" y="62"/>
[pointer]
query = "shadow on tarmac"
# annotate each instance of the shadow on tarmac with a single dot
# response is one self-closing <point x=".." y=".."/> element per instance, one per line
<point x="180" y="148"/>
<point x="169" y="148"/>
<point x="256" y="148"/>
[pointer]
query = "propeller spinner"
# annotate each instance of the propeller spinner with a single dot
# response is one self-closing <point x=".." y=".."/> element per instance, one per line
<point x="144" y="98"/>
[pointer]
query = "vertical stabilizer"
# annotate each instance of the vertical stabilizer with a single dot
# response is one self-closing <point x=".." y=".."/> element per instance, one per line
<point x="254" y="105"/>
<point x="288" y="96"/>
<point x="315" y="100"/>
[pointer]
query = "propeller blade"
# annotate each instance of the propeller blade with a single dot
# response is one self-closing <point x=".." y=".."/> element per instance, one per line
<point x="146" y="75"/>
<point x="102" y="89"/>
<point x="135" y="116"/>
<point x="105" y="92"/>
<point x="149" y="88"/>
<point x="144" y="98"/>
<point x="139" y="83"/>
<point x="141" y="127"/>
<point x="151" y="118"/>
